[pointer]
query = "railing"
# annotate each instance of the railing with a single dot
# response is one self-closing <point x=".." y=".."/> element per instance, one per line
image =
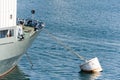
<point x="31" y="23"/>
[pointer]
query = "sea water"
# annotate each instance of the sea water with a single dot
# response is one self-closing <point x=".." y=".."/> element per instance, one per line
<point x="90" y="27"/>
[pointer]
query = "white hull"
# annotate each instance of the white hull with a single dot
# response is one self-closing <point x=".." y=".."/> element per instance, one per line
<point x="11" y="51"/>
<point x="15" y="39"/>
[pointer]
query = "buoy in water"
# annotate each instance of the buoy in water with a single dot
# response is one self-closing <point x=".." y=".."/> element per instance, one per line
<point x="92" y="65"/>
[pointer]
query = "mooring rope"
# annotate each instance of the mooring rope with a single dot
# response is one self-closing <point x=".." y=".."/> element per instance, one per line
<point x="65" y="46"/>
<point x="29" y="59"/>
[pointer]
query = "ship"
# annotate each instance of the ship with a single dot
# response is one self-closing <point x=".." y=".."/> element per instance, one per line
<point x="16" y="35"/>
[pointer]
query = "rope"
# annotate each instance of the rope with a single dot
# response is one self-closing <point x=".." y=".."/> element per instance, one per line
<point x="29" y="59"/>
<point x="65" y="46"/>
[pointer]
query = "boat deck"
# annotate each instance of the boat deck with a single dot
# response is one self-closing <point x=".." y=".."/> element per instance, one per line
<point x="28" y="29"/>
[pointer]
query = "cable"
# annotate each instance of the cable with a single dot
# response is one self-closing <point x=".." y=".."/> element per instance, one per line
<point x="29" y="59"/>
<point x="65" y="46"/>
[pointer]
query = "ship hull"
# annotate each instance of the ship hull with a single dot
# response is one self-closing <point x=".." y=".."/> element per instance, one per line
<point x="12" y="51"/>
<point x="8" y="65"/>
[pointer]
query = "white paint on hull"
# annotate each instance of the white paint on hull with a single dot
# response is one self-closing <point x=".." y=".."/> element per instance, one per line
<point x="10" y="47"/>
<point x="7" y="64"/>
<point x="12" y="50"/>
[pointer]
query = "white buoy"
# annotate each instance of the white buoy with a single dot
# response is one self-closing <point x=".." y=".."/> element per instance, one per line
<point x="92" y="65"/>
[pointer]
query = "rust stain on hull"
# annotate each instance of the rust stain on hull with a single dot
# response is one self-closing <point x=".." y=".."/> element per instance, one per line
<point x="7" y="72"/>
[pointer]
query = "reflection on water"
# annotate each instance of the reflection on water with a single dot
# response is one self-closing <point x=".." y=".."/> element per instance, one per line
<point x="89" y="76"/>
<point x="16" y="74"/>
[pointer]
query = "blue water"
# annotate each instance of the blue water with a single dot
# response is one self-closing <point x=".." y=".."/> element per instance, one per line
<point x="90" y="27"/>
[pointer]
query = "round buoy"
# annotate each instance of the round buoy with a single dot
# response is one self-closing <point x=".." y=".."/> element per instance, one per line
<point x="92" y="65"/>
<point x="33" y="11"/>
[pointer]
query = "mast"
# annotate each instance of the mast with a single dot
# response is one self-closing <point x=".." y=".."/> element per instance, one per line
<point x="8" y="10"/>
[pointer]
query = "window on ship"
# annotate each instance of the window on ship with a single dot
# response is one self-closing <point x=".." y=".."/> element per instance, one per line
<point x="6" y="33"/>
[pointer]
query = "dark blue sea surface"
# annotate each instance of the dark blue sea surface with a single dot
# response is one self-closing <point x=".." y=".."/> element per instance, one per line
<point x="90" y="27"/>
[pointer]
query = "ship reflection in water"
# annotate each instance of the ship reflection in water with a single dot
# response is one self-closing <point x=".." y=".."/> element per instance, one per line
<point x="89" y="76"/>
<point x="16" y="74"/>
